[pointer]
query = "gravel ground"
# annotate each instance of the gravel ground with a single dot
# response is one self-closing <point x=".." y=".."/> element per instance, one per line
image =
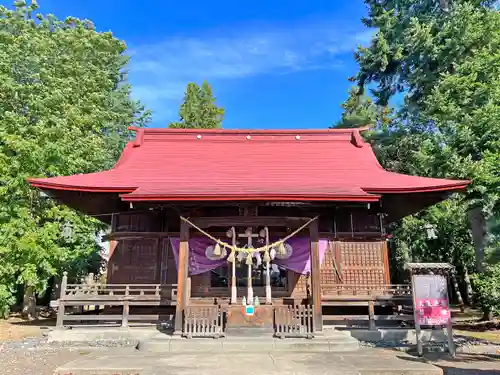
<point x="35" y="356"/>
<point x="35" y="362"/>
<point x="460" y="341"/>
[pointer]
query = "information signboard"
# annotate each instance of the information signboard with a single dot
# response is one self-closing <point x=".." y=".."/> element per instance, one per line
<point x="430" y="299"/>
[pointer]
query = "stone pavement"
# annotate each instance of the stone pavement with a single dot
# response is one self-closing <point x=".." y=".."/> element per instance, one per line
<point x="363" y="362"/>
<point x="467" y="364"/>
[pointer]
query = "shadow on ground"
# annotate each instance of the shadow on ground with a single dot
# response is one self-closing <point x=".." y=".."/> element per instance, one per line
<point x="462" y="364"/>
<point x="35" y="323"/>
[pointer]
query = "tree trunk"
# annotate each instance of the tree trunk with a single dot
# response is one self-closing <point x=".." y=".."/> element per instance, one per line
<point x="487" y="315"/>
<point x="29" y="303"/>
<point x="478" y="224"/>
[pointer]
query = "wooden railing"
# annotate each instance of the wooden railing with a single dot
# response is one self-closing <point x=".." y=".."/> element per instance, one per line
<point x="369" y="296"/>
<point x="371" y="320"/>
<point x="124" y="295"/>
<point x="294" y="321"/>
<point x="203" y="321"/>
<point x="97" y="292"/>
<point x="364" y="290"/>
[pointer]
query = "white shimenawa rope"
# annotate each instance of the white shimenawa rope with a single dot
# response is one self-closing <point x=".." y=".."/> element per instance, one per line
<point x="249" y="251"/>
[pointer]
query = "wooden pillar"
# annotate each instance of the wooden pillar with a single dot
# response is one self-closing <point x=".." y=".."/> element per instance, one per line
<point x="385" y="257"/>
<point x="111" y="266"/>
<point x="249" y="285"/>
<point x="234" y="289"/>
<point x="371" y="315"/>
<point x="269" y="299"/>
<point x="316" y="276"/>
<point x="126" y="307"/>
<point x="182" y="277"/>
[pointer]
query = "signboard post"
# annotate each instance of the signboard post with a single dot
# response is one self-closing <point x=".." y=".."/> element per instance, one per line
<point x="431" y="307"/>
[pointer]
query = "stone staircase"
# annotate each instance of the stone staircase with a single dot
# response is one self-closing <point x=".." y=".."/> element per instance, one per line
<point x="329" y="341"/>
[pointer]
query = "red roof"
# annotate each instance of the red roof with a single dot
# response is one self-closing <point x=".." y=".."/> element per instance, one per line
<point x="179" y="164"/>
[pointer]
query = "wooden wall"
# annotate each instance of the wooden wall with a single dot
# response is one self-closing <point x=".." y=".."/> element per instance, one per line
<point x="349" y="262"/>
<point x="134" y="261"/>
<point x="357" y="262"/>
<point x="146" y="260"/>
<point x="143" y="255"/>
<point x="142" y="252"/>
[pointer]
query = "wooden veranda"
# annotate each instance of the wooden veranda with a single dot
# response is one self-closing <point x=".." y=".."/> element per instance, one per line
<point x="113" y="303"/>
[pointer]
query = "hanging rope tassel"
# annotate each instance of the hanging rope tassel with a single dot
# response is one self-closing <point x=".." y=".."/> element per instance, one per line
<point x="231" y="257"/>
<point x="226" y="245"/>
<point x="249" y="259"/>
<point x="281" y="249"/>
<point x="217" y="250"/>
<point x="267" y="258"/>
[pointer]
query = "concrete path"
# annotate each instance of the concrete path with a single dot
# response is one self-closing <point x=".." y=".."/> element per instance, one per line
<point x="362" y="362"/>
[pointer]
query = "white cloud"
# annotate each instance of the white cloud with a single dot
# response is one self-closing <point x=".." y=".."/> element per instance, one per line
<point x="160" y="71"/>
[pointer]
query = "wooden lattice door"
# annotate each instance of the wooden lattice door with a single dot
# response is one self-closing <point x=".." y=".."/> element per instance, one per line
<point x="364" y="263"/>
<point x="134" y="261"/>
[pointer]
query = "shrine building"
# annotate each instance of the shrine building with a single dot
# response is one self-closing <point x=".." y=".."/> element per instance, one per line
<point x="234" y="230"/>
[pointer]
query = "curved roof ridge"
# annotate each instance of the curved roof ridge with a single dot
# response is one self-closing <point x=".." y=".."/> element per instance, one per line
<point x="251" y="131"/>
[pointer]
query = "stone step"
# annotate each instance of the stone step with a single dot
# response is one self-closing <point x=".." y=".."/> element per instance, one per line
<point x="364" y="362"/>
<point x="338" y="342"/>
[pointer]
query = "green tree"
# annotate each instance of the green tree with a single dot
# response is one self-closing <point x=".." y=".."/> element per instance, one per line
<point x="65" y="109"/>
<point x="444" y="56"/>
<point x="359" y="110"/>
<point x="198" y="109"/>
<point x="395" y="145"/>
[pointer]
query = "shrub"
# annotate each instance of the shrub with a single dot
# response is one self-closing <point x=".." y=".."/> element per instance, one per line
<point x="487" y="290"/>
<point x="7" y="299"/>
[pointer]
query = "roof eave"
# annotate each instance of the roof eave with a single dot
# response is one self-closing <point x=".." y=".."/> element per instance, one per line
<point x="251" y="197"/>
<point x="462" y="185"/>
<point x="40" y="184"/>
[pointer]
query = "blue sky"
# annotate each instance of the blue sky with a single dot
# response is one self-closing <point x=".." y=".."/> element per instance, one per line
<point x="271" y="64"/>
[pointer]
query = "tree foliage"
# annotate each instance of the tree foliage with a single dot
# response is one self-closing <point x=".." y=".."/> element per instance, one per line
<point x="360" y="110"/>
<point x="452" y="243"/>
<point x="198" y="109"/>
<point x="444" y="58"/>
<point x="65" y="109"/>
<point x="487" y="287"/>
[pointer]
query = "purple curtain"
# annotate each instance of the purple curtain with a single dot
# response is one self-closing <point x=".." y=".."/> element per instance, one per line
<point x="299" y="261"/>
<point x="198" y="262"/>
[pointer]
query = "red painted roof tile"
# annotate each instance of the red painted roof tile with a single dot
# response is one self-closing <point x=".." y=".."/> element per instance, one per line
<point x="173" y="164"/>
